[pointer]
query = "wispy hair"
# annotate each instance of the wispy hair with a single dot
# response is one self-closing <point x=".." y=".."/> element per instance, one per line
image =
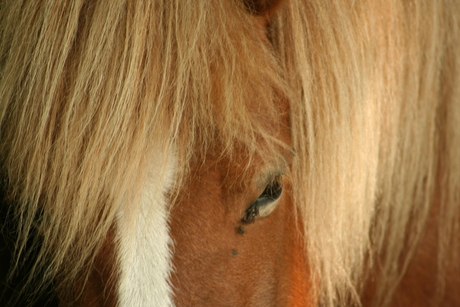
<point x="90" y="88"/>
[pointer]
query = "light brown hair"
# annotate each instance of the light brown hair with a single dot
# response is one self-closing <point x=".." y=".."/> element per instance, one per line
<point x="89" y="88"/>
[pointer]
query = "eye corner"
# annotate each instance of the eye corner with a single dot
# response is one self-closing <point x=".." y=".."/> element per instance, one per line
<point x="251" y="213"/>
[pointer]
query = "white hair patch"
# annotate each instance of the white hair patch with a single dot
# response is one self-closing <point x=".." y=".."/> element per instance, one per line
<point x="144" y="253"/>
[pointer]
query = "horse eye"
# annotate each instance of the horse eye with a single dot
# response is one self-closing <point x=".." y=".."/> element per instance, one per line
<point x="271" y="193"/>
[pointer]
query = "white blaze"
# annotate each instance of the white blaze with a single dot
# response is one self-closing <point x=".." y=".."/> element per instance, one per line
<point x="144" y="253"/>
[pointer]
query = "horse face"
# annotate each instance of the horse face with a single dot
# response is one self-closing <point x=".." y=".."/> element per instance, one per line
<point x="235" y="236"/>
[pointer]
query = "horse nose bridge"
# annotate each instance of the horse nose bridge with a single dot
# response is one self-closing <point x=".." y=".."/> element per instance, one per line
<point x="143" y="241"/>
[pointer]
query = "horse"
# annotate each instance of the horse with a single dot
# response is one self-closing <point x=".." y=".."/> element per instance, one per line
<point x="230" y="153"/>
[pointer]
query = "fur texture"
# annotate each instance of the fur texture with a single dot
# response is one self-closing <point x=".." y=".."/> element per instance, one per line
<point x="144" y="242"/>
<point x="88" y="89"/>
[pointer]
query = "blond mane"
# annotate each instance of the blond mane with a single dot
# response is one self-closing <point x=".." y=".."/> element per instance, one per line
<point x="89" y="88"/>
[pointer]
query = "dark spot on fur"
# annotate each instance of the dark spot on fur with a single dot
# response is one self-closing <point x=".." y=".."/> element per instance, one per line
<point x="259" y="7"/>
<point x="234" y="252"/>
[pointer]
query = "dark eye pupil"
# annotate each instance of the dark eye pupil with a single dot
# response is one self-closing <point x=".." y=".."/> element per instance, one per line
<point x="271" y="193"/>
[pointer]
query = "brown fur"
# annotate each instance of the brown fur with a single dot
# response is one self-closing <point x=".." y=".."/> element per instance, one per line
<point x="217" y="265"/>
<point x="419" y="285"/>
<point x="99" y="286"/>
<point x="262" y="7"/>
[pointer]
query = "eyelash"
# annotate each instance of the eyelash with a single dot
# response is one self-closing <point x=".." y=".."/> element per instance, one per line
<point x="274" y="189"/>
